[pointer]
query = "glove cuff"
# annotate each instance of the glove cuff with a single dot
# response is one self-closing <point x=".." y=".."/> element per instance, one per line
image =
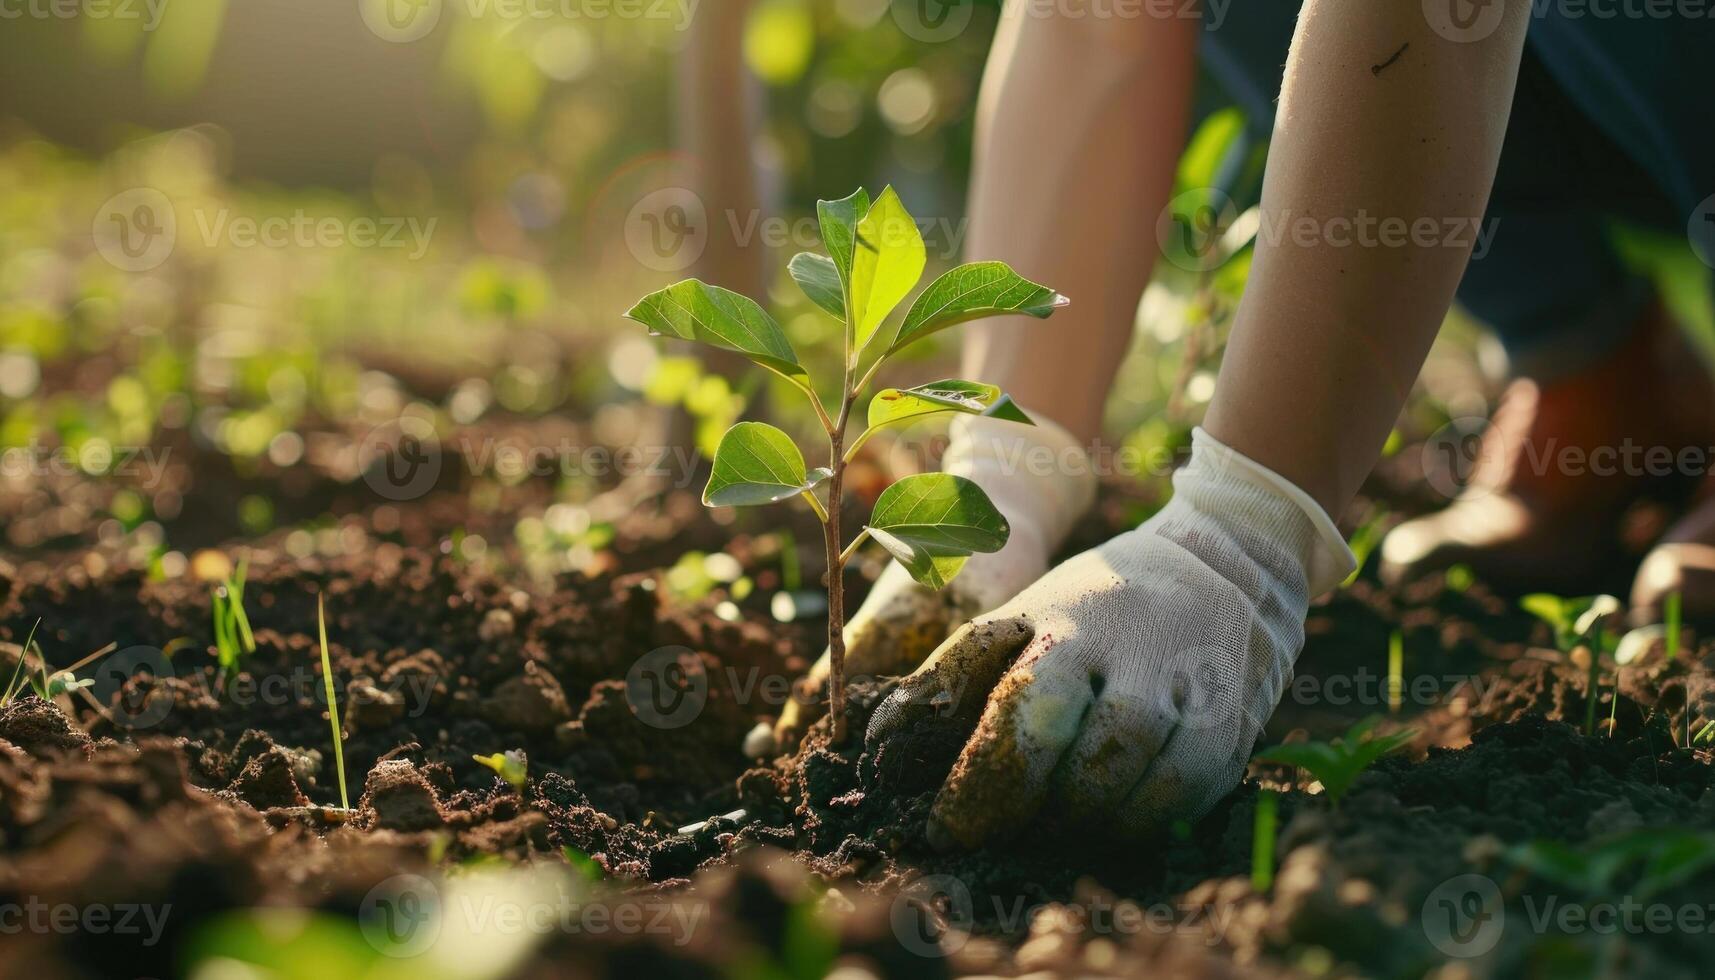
<point x="1249" y="494"/>
<point x="1039" y="476"/>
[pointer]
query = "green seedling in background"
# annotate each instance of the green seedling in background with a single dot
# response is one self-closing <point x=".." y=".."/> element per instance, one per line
<point x="233" y="640"/>
<point x="511" y="765"/>
<point x="933" y="522"/>
<point x="1578" y="623"/>
<point x="1364" y="540"/>
<point x="1673" y="605"/>
<point x="1640" y="864"/>
<point x="1337" y="764"/>
<point x="587" y="867"/>
<point x="333" y="705"/>
<point x="1262" y="841"/>
<point x="1395" y="671"/>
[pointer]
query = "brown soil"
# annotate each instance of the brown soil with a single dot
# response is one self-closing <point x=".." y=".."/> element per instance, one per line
<point x="169" y="789"/>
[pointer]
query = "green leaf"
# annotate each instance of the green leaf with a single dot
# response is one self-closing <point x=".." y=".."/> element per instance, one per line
<point x="819" y="278"/>
<point x="971" y="292"/>
<point x="932" y="522"/>
<point x="1210" y="148"/>
<point x="695" y="310"/>
<point x="757" y="464"/>
<point x="839" y="220"/>
<point x="886" y="265"/>
<point x="1336" y="764"/>
<point x="893" y="405"/>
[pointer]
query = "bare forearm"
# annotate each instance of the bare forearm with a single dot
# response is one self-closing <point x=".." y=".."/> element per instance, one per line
<point x="1336" y="320"/>
<point x="1077" y="139"/>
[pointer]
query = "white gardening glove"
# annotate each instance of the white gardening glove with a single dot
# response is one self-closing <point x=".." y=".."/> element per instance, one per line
<point x="1041" y="481"/>
<point x="1129" y="684"/>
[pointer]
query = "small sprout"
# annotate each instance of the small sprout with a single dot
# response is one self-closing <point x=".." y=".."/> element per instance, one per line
<point x="1672" y="610"/>
<point x="1579" y="623"/>
<point x="512" y="765"/>
<point x="1395" y="671"/>
<point x="1706" y="735"/>
<point x="759" y="743"/>
<point x="1336" y="764"/>
<point x="586" y="866"/>
<point x="62" y="683"/>
<point x="1262" y="841"/>
<point x="932" y="522"/>
<point x="736" y="817"/>
<point x="233" y="639"/>
<point x="333" y="705"/>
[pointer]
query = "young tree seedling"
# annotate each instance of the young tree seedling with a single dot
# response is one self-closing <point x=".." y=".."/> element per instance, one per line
<point x="1336" y="764"/>
<point x="932" y="523"/>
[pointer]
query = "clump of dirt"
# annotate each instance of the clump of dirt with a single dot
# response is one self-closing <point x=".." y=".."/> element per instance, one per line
<point x="35" y="725"/>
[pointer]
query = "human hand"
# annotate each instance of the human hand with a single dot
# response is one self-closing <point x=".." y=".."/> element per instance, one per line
<point x="1129" y="684"/>
<point x="1040" y="480"/>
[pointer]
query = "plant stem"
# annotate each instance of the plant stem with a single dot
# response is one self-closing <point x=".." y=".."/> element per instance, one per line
<point x="851" y="549"/>
<point x="836" y="580"/>
<point x="1592" y="692"/>
<point x="836" y="555"/>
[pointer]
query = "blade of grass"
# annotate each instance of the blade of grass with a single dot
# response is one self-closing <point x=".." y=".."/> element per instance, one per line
<point x="235" y="588"/>
<point x="333" y="707"/>
<point x="15" y="684"/>
<point x="1395" y="671"/>
<point x="1673" y="619"/>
